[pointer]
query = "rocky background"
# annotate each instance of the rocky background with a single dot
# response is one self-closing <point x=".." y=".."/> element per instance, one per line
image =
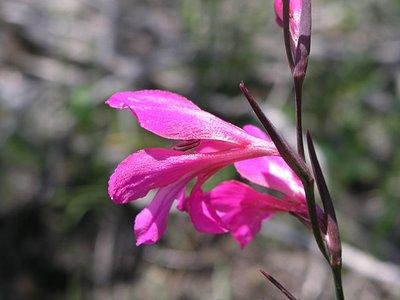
<point x="60" y="235"/>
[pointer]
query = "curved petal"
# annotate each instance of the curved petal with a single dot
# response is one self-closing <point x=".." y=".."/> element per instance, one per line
<point x="241" y="209"/>
<point x="151" y="222"/>
<point x="174" y="117"/>
<point x="257" y="132"/>
<point x="203" y="217"/>
<point x="233" y="194"/>
<point x="153" y="168"/>
<point x="270" y="171"/>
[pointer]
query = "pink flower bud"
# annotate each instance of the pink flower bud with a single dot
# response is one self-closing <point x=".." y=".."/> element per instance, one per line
<point x="294" y="17"/>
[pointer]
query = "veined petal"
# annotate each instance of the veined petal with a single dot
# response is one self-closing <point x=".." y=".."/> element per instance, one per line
<point x="270" y="171"/>
<point x="153" y="168"/>
<point x="175" y="117"/>
<point x="151" y="222"/>
<point x="241" y="209"/>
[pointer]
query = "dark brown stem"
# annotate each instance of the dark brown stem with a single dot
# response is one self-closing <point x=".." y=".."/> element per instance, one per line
<point x="295" y="163"/>
<point x="333" y="242"/>
<point x="312" y="211"/>
<point x="298" y="89"/>
<point x="277" y="284"/>
<point x="333" y="236"/>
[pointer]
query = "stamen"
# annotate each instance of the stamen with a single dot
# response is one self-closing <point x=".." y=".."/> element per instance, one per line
<point x="186" y="145"/>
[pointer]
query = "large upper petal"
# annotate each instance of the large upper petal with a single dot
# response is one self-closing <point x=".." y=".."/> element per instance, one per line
<point x="270" y="171"/>
<point x="154" y="168"/>
<point x="174" y="117"/>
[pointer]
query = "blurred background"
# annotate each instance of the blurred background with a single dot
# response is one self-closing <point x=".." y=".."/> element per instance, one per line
<point x="60" y="235"/>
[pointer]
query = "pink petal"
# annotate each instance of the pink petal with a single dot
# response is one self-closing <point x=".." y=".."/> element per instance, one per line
<point x="256" y="132"/>
<point x="247" y="224"/>
<point x="270" y="171"/>
<point x="241" y="209"/>
<point x="233" y="194"/>
<point x="294" y="16"/>
<point x="174" y="117"/>
<point x="203" y="217"/>
<point x="181" y="198"/>
<point x="209" y="146"/>
<point x="151" y="222"/>
<point x="153" y="168"/>
<point x="278" y="6"/>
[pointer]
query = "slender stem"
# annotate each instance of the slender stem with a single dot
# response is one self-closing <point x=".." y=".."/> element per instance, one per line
<point x="278" y="285"/>
<point x="298" y="89"/>
<point x="286" y="34"/>
<point x="337" y="276"/>
<point x="295" y="163"/>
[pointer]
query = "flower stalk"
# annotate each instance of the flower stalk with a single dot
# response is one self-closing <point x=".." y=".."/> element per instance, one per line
<point x="295" y="162"/>
<point x="295" y="18"/>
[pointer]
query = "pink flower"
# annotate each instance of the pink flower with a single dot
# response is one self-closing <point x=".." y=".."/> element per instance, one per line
<point x="238" y="208"/>
<point x="294" y="18"/>
<point x="206" y="144"/>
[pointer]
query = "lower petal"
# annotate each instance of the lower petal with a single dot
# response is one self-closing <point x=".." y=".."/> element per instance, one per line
<point x="151" y="222"/>
<point x="245" y="225"/>
<point x="203" y="216"/>
<point x="241" y="209"/>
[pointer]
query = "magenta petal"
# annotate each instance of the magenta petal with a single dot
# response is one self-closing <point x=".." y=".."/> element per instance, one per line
<point x="174" y="117"/>
<point x="153" y="168"/>
<point x="145" y="170"/>
<point x="122" y="100"/>
<point x="247" y="224"/>
<point x="294" y="16"/>
<point x="181" y="198"/>
<point x="203" y="218"/>
<point x="231" y="195"/>
<point x="151" y="222"/>
<point x="270" y="171"/>
<point x="238" y="210"/>
<point x="256" y="132"/>
<point x="241" y="209"/>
